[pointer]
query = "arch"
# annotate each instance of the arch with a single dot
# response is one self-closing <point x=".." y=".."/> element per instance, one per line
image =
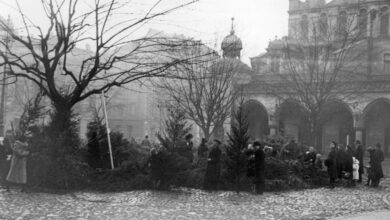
<point x="363" y="17"/>
<point x="293" y="121"/>
<point x="384" y="22"/>
<point x="336" y="123"/>
<point x="373" y="15"/>
<point x="257" y="118"/>
<point x="377" y="123"/>
<point x="304" y="27"/>
<point x="323" y="24"/>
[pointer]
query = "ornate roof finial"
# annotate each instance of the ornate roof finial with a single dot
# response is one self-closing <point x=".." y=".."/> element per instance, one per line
<point x="232" y="31"/>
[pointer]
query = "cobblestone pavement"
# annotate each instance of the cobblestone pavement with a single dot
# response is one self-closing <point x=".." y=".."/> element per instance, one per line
<point x="194" y="204"/>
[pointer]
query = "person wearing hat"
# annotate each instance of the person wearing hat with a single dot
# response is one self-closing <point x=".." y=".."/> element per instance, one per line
<point x="213" y="170"/>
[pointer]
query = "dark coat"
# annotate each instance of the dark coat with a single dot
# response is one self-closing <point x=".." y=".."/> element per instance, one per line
<point x="359" y="155"/>
<point x="331" y="163"/>
<point x="202" y="150"/>
<point x="376" y="159"/>
<point x="348" y="155"/>
<point x="340" y="159"/>
<point x="95" y="160"/>
<point x="156" y="165"/>
<point x="259" y="166"/>
<point x="250" y="154"/>
<point x="213" y="170"/>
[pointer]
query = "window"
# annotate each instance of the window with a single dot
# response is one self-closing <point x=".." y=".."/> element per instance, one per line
<point x="323" y="23"/>
<point x="304" y="27"/>
<point x="342" y="24"/>
<point x="372" y="20"/>
<point x="386" y="62"/>
<point x="363" y="23"/>
<point x="384" y="22"/>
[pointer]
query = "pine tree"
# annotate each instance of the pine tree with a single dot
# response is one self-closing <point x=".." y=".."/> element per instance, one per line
<point x="176" y="129"/>
<point x="238" y="141"/>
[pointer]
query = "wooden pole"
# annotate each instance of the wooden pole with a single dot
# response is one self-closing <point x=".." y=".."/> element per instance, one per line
<point x="108" y="130"/>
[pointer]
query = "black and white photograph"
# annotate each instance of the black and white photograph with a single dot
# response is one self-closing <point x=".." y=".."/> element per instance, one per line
<point x="195" y="109"/>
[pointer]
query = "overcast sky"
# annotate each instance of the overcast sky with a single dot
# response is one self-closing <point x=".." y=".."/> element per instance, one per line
<point x="256" y="21"/>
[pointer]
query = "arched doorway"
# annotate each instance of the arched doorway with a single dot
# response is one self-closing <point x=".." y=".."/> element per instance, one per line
<point x="257" y="118"/>
<point x="337" y="124"/>
<point x="293" y="121"/>
<point x="377" y="124"/>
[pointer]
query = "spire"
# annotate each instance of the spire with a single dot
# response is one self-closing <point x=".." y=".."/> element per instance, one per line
<point x="232" y="31"/>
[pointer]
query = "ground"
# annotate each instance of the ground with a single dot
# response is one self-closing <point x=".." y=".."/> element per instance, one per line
<point x="320" y="203"/>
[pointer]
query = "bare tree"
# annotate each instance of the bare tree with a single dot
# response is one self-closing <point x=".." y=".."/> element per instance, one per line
<point x="204" y="91"/>
<point x="67" y="75"/>
<point x="323" y="61"/>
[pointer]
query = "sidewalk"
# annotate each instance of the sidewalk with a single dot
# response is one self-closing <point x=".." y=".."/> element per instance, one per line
<point x="379" y="215"/>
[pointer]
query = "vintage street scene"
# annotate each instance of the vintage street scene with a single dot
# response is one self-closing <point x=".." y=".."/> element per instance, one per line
<point x="195" y="109"/>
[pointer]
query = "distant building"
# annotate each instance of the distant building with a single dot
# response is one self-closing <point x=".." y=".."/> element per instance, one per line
<point x="365" y="118"/>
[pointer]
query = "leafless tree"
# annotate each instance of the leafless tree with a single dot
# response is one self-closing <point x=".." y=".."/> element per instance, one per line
<point x="204" y="91"/>
<point x="322" y="62"/>
<point x="68" y="75"/>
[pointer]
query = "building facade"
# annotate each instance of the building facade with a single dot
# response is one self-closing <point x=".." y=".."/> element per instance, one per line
<point x="364" y="117"/>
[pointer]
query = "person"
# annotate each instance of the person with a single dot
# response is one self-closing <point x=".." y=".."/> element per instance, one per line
<point x="94" y="151"/>
<point x="331" y="164"/>
<point x="155" y="165"/>
<point x="18" y="170"/>
<point x="376" y="165"/>
<point x="145" y="142"/>
<point x="371" y="172"/>
<point x="359" y="155"/>
<point x="348" y="164"/>
<point x="189" y="145"/>
<point x="213" y="169"/>
<point x="310" y="156"/>
<point x="340" y="156"/>
<point x="250" y="167"/>
<point x="259" y="167"/>
<point x="355" y="172"/>
<point x="202" y="149"/>
<point x="318" y="162"/>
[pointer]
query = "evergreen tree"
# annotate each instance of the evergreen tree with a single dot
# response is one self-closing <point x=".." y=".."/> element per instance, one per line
<point x="176" y="129"/>
<point x="238" y="141"/>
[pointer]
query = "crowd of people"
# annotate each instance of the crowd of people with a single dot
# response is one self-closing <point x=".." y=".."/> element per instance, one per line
<point x="348" y="163"/>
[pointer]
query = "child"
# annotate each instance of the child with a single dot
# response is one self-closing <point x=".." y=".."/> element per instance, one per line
<point x="355" y="171"/>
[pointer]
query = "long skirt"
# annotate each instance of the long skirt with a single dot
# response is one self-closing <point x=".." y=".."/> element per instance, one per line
<point x="17" y="172"/>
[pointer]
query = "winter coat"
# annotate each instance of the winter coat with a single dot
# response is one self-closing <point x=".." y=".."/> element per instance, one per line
<point x="376" y="159"/>
<point x="18" y="169"/>
<point x="259" y="166"/>
<point x="213" y="169"/>
<point x="331" y="163"/>
<point x="355" y="168"/>
<point x="348" y="161"/>
<point x="202" y="150"/>
<point x="250" y="153"/>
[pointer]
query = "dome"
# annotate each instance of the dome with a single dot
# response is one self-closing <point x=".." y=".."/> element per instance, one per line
<point x="231" y="42"/>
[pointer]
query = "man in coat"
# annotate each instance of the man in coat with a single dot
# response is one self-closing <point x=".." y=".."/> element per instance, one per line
<point x="213" y="170"/>
<point x="259" y="167"/>
<point x="331" y="163"/>
<point x="359" y="155"/>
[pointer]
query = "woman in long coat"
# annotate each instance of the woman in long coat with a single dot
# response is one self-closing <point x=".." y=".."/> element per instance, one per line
<point x="18" y="171"/>
<point x="331" y="163"/>
<point x="259" y="168"/>
<point x="213" y="170"/>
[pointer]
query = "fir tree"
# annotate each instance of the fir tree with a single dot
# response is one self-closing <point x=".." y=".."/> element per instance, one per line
<point x="176" y="129"/>
<point x="238" y="140"/>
